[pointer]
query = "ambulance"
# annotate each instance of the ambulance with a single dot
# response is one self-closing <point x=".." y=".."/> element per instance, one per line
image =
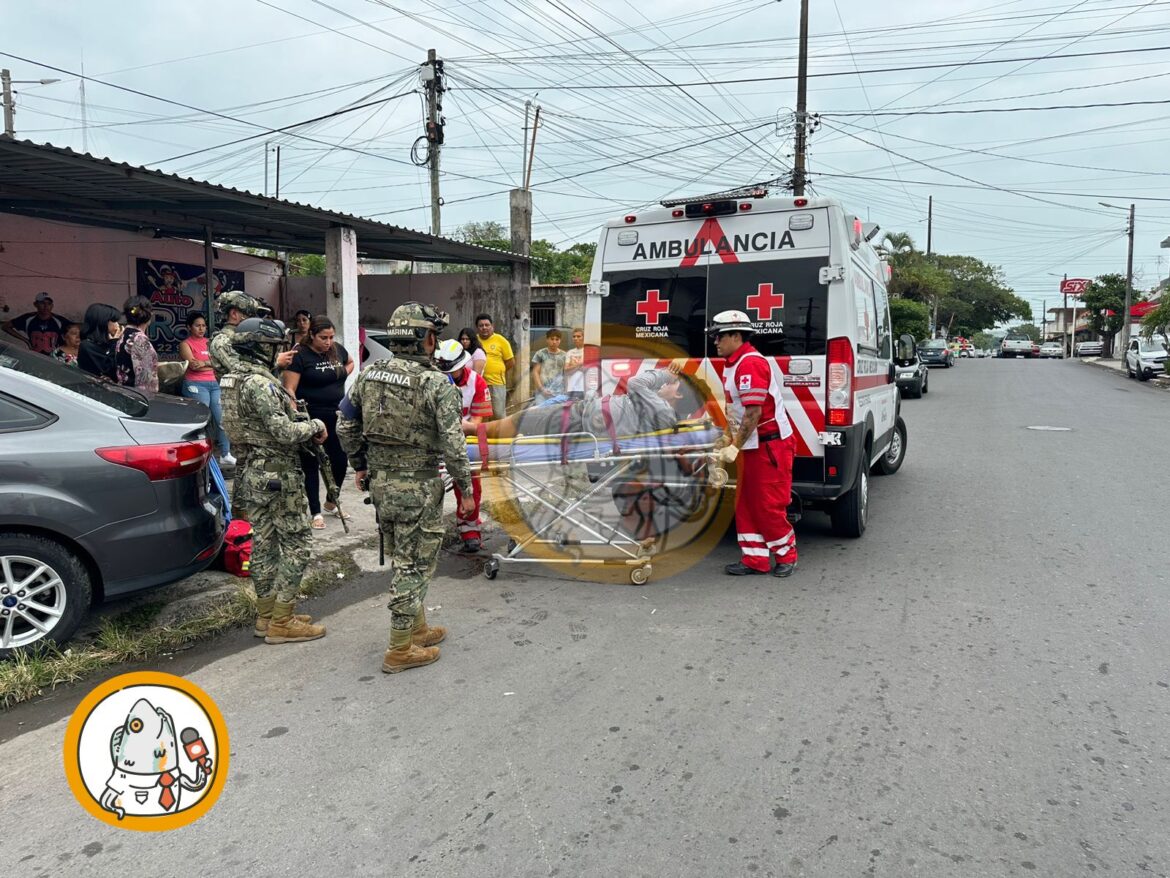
<point x="804" y="271"/>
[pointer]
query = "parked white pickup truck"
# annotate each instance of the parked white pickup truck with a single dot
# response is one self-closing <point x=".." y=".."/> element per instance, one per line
<point x="1017" y="346"/>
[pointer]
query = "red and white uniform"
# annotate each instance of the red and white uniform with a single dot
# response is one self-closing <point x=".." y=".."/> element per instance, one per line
<point x="765" y="461"/>
<point x="477" y="402"/>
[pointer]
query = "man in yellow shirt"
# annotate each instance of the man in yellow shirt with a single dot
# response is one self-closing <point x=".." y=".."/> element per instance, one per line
<point x="500" y="363"/>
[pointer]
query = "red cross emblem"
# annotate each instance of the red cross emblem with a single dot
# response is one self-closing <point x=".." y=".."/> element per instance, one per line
<point x="764" y="302"/>
<point x="652" y="307"/>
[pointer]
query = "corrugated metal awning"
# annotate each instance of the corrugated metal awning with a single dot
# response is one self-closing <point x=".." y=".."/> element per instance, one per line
<point x="52" y="183"/>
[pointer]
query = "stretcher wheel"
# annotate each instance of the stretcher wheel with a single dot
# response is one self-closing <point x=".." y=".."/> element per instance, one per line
<point x="640" y="575"/>
<point x="491" y="569"/>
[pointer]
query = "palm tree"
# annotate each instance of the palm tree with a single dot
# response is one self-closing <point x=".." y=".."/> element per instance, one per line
<point x="896" y="242"/>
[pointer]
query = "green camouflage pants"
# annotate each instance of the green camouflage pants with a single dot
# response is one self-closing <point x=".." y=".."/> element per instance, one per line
<point x="274" y="502"/>
<point x="410" y="512"/>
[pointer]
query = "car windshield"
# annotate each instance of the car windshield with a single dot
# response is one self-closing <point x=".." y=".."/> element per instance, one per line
<point x="935" y="344"/>
<point x="1153" y="345"/>
<point x="73" y="380"/>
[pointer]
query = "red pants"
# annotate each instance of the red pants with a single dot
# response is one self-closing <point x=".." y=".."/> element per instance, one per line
<point x="761" y="505"/>
<point x="469" y="527"/>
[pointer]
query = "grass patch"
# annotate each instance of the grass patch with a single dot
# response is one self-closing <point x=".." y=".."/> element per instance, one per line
<point x="131" y="637"/>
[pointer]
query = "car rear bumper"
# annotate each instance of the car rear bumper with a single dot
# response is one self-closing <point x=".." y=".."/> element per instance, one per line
<point x="179" y="539"/>
<point x="818" y="480"/>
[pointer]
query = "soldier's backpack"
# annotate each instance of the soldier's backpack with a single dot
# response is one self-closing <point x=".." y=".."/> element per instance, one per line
<point x="237" y="548"/>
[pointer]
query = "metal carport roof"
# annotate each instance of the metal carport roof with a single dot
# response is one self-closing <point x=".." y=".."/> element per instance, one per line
<point x="53" y="183"/>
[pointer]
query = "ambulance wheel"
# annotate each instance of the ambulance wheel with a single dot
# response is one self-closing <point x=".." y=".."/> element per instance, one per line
<point x="851" y="512"/>
<point x="640" y="575"/>
<point x="890" y="462"/>
<point x="491" y="569"/>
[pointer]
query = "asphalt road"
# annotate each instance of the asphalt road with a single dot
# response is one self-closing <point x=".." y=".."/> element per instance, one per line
<point x="978" y="687"/>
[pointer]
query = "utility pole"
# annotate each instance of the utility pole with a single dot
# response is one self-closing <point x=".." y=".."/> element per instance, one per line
<point x="267" y="149"/>
<point x="1128" y="286"/>
<point x="6" y="82"/>
<point x="532" y="151"/>
<point x="1044" y="320"/>
<point x="929" y="223"/>
<point x="432" y="77"/>
<point x="801" y="142"/>
<point x="84" y="113"/>
<point x="278" y="170"/>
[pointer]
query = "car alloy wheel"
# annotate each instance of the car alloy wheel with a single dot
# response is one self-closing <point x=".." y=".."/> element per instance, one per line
<point x="33" y="600"/>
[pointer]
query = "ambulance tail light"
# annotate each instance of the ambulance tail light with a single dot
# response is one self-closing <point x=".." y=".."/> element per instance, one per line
<point x="800" y="202"/>
<point x="840" y="383"/>
<point x="630" y="218"/>
<point x="678" y="214"/>
<point x="743" y="205"/>
<point x="858" y="233"/>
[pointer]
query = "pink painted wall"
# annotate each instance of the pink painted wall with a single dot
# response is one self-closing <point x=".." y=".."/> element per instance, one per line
<point x="78" y="265"/>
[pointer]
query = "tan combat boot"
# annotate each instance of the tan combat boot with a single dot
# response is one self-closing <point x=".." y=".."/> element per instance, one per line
<point x="287" y="628"/>
<point x="264" y="615"/>
<point x="404" y="654"/>
<point x="424" y="634"/>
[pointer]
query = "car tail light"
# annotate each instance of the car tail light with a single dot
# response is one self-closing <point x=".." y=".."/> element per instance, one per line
<point x="160" y="462"/>
<point x="840" y="384"/>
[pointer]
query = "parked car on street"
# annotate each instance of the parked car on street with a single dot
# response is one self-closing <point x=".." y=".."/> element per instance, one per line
<point x="936" y="352"/>
<point x="1089" y="348"/>
<point x="911" y="374"/>
<point x="1052" y="350"/>
<point x="103" y="492"/>
<point x="1145" y="357"/>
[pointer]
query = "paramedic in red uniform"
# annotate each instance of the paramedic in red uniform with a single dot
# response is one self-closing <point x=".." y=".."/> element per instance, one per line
<point x="761" y="438"/>
<point x="452" y="358"/>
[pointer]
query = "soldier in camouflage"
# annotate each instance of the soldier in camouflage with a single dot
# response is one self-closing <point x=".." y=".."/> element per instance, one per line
<point x="231" y="307"/>
<point x="400" y="417"/>
<point x="262" y="419"/>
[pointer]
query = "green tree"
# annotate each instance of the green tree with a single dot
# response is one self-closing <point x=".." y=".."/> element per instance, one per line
<point x="569" y="266"/>
<point x="895" y="242"/>
<point x="1029" y="329"/>
<point x="978" y="298"/>
<point x="1104" y="303"/>
<point x="984" y="341"/>
<point x="910" y="317"/>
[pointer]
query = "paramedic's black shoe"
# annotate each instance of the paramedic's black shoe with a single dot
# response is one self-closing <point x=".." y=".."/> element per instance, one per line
<point x="470" y="547"/>
<point x="782" y="569"/>
<point x="741" y="569"/>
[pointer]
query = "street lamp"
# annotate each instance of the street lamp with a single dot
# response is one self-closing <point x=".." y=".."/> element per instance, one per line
<point x="1128" y="275"/>
<point x="6" y="82"/>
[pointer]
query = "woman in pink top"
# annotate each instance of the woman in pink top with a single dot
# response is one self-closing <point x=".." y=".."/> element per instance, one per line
<point x="199" y="381"/>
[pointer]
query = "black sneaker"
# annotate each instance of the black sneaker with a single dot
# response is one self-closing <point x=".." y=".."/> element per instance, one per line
<point x="470" y="547"/>
<point x="741" y="569"/>
<point x="782" y="569"/>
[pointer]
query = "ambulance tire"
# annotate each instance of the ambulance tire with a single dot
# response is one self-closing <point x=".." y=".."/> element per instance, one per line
<point x="891" y="460"/>
<point x="851" y="512"/>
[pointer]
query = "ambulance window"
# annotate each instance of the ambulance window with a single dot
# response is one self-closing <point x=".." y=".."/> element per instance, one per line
<point x="784" y="298"/>
<point x="885" y="334"/>
<point x="866" y="311"/>
<point x="658" y="305"/>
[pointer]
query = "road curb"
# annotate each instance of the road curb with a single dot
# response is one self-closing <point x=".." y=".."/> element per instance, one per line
<point x="1160" y="381"/>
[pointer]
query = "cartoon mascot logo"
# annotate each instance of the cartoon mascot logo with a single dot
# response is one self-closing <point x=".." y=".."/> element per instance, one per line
<point x="127" y="765"/>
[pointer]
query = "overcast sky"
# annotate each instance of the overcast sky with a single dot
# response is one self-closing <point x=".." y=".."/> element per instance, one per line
<point x="640" y="101"/>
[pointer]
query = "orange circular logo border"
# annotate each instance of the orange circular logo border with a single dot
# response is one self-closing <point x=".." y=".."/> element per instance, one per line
<point x="161" y="823"/>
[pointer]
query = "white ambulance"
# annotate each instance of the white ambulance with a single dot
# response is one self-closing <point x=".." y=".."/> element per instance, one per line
<point x="804" y="271"/>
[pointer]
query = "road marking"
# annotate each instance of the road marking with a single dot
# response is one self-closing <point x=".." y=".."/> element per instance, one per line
<point x="1046" y="429"/>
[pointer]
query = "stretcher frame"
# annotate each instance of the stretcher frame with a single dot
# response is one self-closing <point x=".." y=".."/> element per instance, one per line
<point x="607" y="464"/>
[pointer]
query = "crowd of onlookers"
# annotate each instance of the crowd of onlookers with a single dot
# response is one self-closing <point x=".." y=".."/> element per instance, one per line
<point x="114" y="345"/>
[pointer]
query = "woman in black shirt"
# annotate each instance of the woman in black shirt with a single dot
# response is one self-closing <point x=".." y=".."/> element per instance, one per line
<point x="100" y="330"/>
<point x="317" y="375"/>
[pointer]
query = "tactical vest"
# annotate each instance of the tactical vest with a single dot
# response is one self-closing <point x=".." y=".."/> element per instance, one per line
<point x="244" y="427"/>
<point x="220" y="351"/>
<point x="398" y="404"/>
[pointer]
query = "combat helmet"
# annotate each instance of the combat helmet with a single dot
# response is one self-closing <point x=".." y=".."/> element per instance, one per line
<point x="241" y="301"/>
<point x="259" y="340"/>
<point x="408" y="327"/>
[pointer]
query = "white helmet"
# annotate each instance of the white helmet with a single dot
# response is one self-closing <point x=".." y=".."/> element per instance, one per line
<point x="451" y="356"/>
<point x="730" y="321"/>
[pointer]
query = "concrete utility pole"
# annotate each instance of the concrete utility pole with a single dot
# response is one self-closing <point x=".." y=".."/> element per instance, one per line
<point x="1128" y="286"/>
<point x="6" y="81"/>
<point x="801" y="142"/>
<point x="531" y="157"/>
<point x="432" y="76"/>
<point x="520" y="210"/>
<point x="929" y="223"/>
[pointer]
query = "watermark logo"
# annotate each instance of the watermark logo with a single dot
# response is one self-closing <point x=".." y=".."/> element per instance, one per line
<point x="147" y="751"/>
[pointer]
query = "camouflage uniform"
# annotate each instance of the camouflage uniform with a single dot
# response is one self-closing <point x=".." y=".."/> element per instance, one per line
<point x="400" y="417"/>
<point x="261" y="419"/>
<point x="223" y="355"/>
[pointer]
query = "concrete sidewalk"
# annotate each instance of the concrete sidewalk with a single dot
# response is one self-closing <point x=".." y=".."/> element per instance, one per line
<point x="1116" y="365"/>
<point x="336" y="556"/>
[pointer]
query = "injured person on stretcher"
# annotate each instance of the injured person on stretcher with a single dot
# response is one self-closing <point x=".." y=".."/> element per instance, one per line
<point x="647" y="405"/>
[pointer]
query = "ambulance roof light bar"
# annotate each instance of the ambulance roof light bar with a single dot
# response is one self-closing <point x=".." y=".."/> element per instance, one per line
<point x="742" y="192"/>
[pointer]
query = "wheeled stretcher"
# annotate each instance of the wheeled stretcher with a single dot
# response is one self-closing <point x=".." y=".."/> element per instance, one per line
<point x="579" y="526"/>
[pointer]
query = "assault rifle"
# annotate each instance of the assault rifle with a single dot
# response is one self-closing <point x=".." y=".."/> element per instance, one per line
<point x="369" y="501"/>
<point x="332" y="491"/>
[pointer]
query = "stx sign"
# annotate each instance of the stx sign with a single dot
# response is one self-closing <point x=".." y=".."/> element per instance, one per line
<point x="1073" y="286"/>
